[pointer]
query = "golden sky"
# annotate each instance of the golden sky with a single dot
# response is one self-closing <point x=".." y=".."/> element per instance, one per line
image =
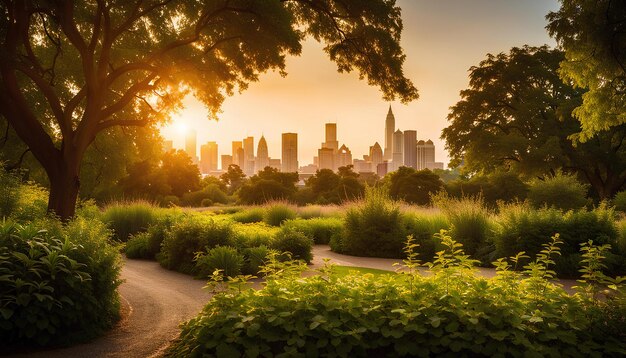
<point x="442" y="40"/>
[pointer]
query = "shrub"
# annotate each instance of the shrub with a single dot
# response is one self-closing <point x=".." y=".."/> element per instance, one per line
<point x="277" y="213"/>
<point x="310" y="211"/>
<point x="206" y="203"/>
<point x="562" y="191"/>
<point x="619" y="201"/>
<point x="128" y="218"/>
<point x="9" y="192"/>
<point x="319" y="230"/>
<point x="255" y="258"/>
<point x="189" y="236"/>
<point x="423" y="228"/>
<point x="336" y="242"/>
<point x="56" y="290"/>
<point x="137" y="246"/>
<point x="211" y="193"/>
<point x="223" y="258"/>
<point x="295" y="242"/>
<point x="147" y="245"/>
<point x="374" y="227"/>
<point x="254" y="234"/>
<point x="252" y="215"/>
<point x="32" y="203"/>
<point x="450" y="313"/>
<point x="470" y="222"/>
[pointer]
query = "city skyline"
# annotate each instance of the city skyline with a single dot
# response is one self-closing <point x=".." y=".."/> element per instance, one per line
<point x="442" y="40"/>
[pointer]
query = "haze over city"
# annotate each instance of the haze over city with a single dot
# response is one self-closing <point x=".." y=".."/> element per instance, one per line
<point x="441" y="39"/>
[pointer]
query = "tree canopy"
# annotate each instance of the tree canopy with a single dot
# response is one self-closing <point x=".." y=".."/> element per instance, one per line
<point x="414" y="186"/>
<point x="593" y="35"/>
<point x="70" y="70"/>
<point x="517" y="115"/>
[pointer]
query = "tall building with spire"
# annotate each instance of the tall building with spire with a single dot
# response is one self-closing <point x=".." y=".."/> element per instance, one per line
<point x="376" y="155"/>
<point x="262" y="156"/>
<point x="390" y="125"/>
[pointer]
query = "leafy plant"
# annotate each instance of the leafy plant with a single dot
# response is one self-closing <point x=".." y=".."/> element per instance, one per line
<point x="252" y="215"/>
<point x="277" y="213"/>
<point x="223" y="258"/>
<point x="296" y="243"/>
<point x="562" y="191"/>
<point x="128" y="218"/>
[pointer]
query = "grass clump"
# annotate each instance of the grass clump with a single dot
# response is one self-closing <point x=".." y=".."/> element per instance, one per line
<point x="254" y="259"/>
<point x="319" y="229"/>
<point x="294" y="242"/>
<point x="561" y="191"/>
<point x="277" y="213"/>
<point x="223" y="258"/>
<point x="129" y="218"/>
<point x="452" y="312"/>
<point x="252" y="215"/>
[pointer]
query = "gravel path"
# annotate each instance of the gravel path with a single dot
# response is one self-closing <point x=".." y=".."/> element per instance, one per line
<point x="155" y="301"/>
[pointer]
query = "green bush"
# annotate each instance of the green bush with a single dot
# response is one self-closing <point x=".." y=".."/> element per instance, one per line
<point x="32" y="203"/>
<point x="147" y="245"/>
<point x="223" y="258"/>
<point x="252" y="235"/>
<point x="255" y="258"/>
<point x="129" y="218"/>
<point x="619" y="201"/>
<point x="470" y="222"/>
<point x="59" y="283"/>
<point x="423" y="228"/>
<point x="191" y="235"/>
<point x="9" y="192"/>
<point x="521" y="228"/>
<point x="452" y="312"/>
<point x="319" y="230"/>
<point x="277" y="213"/>
<point x="211" y="193"/>
<point x="252" y="215"/>
<point x="621" y="243"/>
<point x="562" y="191"/>
<point x="295" y="242"/>
<point x="137" y="246"/>
<point x="374" y="227"/>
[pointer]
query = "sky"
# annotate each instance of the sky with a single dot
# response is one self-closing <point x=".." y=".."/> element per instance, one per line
<point x="442" y="39"/>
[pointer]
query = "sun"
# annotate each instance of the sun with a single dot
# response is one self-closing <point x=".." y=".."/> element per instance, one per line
<point x="181" y="127"/>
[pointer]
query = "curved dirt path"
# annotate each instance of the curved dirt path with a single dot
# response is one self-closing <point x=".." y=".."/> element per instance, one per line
<point x="154" y="302"/>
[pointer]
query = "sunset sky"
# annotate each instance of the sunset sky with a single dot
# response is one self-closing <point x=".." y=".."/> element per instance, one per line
<point x="442" y="40"/>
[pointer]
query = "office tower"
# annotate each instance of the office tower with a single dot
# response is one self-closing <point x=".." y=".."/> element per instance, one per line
<point x="248" y="152"/>
<point x="331" y="137"/>
<point x="226" y="161"/>
<point x="326" y="158"/>
<point x="390" y="124"/>
<point x="425" y="155"/>
<point x="275" y="164"/>
<point x="190" y="145"/>
<point x="398" y="150"/>
<point x="168" y="145"/>
<point x="343" y="157"/>
<point x="290" y="152"/>
<point x="376" y="154"/>
<point x="382" y="169"/>
<point x="236" y="160"/>
<point x="262" y="157"/>
<point x="208" y="157"/>
<point x="362" y="166"/>
<point x="240" y="158"/>
<point x="410" y="149"/>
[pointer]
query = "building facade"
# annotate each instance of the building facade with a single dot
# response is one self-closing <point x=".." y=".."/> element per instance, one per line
<point x="290" y="152"/>
<point x="410" y="149"/>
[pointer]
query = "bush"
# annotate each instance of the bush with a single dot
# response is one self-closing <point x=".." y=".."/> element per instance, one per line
<point x="277" y="213"/>
<point x="211" y="193"/>
<point x="450" y="313"/>
<point x="189" y="236"/>
<point x="319" y="230"/>
<point x="470" y="222"/>
<point x="619" y="201"/>
<point x="137" y="246"/>
<point x="373" y="227"/>
<point x="223" y="258"/>
<point x="147" y="245"/>
<point x="255" y="258"/>
<point x="129" y="218"/>
<point x="253" y="215"/>
<point x="562" y="191"/>
<point x="59" y="283"/>
<point x="251" y="235"/>
<point x="32" y="203"/>
<point x="423" y="228"/>
<point x="295" y="242"/>
<point x="9" y="192"/>
<point x="521" y="228"/>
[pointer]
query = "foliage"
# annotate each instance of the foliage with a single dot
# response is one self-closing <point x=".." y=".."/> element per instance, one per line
<point x="276" y="213"/>
<point x="129" y="217"/>
<point x="255" y="258"/>
<point x="592" y="35"/>
<point x="191" y="235"/>
<point x="252" y="235"/>
<point x="9" y="192"/>
<point x="560" y="191"/>
<point x="59" y="283"/>
<point x="251" y="215"/>
<point x="328" y="187"/>
<point x="233" y="178"/>
<point x="521" y="228"/>
<point x="422" y="229"/>
<point x="223" y="258"/>
<point x="267" y="185"/>
<point x="209" y="194"/>
<point x="495" y="187"/>
<point x="513" y="121"/>
<point x="318" y="229"/>
<point x="413" y="186"/>
<point x="450" y="313"/>
<point x="373" y="227"/>
<point x="137" y="246"/>
<point x="294" y="242"/>
<point x="619" y="201"/>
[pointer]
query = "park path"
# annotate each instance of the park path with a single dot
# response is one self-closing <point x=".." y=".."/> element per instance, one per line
<point x="155" y="301"/>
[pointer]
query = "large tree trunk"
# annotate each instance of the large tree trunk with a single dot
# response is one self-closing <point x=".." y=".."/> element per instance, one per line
<point x="63" y="193"/>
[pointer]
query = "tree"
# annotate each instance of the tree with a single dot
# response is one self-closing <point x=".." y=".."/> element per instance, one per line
<point x="180" y="173"/>
<point x="516" y="116"/>
<point x="233" y="178"/>
<point x="414" y="186"/>
<point x="70" y="70"/>
<point x="267" y="185"/>
<point x="593" y="36"/>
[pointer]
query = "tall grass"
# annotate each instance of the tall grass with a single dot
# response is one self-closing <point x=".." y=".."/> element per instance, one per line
<point x="127" y="218"/>
<point x="319" y="229"/>
<point x="278" y="212"/>
<point x="252" y="215"/>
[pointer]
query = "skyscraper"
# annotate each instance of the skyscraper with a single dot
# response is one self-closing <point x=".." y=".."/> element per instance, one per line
<point x="376" y="155"/>
<point x="331" y="137"/>
<point x="326" y="158"/>
<point x="390" y="124"/>
<point x="248" y="153"/>
<point x="425" y="155"/>
<point x="290" y="152"/>
<point x="410" y="149"/>
<point x="236" y="159"/>
<point x="190" y="145"/>
<point x="226" y="161"/>
<point x="262" y="156"/>
<point x="344" y="157"/>
<point x="398" y="150"/>
<point x="208" y="157"/>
